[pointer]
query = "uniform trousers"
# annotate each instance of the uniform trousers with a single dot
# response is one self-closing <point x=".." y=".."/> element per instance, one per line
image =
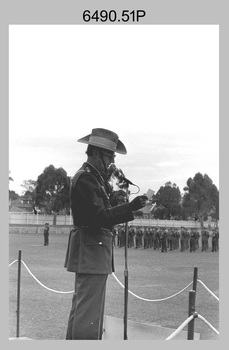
<point x="86" y="315"/>
<point x="46" y="239"/>
<point x="163" y="245"/>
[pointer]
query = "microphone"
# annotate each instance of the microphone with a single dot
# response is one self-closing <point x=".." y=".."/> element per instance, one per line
<point x="118" y="173"/>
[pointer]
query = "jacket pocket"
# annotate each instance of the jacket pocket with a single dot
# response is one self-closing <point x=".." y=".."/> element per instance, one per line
<point x="103" y="238"/>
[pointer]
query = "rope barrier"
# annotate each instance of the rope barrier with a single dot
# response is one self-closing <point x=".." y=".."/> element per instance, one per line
<point x="180" y="328"/>
<point x="208" y="290"/>
<point x="208" y="324"/>
<point x="151" y="300"/>
<point x="135" y="295"/>
<point x="36" y="279"/>
<point x="187" y="321"/>
<point x="13" y="262"/>
<point x="144" y="299"/>
<point x="52" y="290"/>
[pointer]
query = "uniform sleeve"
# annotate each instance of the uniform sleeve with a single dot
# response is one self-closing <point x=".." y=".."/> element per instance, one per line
<point x="89" y="208"/>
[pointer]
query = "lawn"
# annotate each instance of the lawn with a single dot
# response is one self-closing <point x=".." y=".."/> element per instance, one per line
<point x="152" y="275"/>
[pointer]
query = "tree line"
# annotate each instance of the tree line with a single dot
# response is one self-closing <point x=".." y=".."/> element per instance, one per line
<point x="200" y="199"/>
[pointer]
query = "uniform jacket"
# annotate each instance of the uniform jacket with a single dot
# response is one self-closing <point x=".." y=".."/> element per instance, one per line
<point x="46" y="231"/>
<point x="90" y="245"/>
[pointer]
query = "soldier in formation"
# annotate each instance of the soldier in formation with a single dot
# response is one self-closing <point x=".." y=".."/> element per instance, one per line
<point x="192" y="241"/>
<point x="183" y="239"/>
<point x="163" y="238"/>
<point x="215" y="239"/>
<point x="205" y="236"/>
<point x="166" y="238"/>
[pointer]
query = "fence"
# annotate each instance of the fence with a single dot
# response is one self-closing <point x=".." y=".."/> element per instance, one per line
<point x="66" y="220"/>
<point x="39" y="219"/>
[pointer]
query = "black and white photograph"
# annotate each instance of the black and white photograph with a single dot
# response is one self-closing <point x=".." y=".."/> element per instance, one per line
<point x="113" y="167"/>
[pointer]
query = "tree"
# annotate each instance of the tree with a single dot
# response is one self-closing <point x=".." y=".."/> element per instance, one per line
<point x="168" y="200"/>
<point x="13" y="195"/>
<point x="52" y="190"/>
<point x="10" y="178"/>
<point x="30" y="191"/>
<point x="29" y="186"/>
<point x="201" y="198"/>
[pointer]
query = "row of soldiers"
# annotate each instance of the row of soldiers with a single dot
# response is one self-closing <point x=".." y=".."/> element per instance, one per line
<point x="166" y="238"/>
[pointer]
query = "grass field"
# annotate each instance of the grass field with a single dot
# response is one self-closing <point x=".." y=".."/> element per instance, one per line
<point x="152" y="275"/>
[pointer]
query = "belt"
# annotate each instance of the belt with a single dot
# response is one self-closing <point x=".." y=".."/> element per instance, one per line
<point x="88" y="227"/>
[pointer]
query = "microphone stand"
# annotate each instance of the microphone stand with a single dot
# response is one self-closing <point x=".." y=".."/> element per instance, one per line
<point x="124" y="184"/>
<point x="126" y="271"/>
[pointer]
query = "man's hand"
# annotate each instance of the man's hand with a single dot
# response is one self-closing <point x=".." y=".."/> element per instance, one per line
<point x="138" y="202"/>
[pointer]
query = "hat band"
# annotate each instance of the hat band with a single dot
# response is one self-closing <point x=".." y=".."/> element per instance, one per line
<point x="103" y="142"/>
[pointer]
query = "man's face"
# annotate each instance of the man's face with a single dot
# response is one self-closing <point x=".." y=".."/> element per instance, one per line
<point x="108" y="158"/>
<point x="103" y="159"/>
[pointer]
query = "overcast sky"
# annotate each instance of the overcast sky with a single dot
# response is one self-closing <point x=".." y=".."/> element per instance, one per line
<point x="156" y="86"/>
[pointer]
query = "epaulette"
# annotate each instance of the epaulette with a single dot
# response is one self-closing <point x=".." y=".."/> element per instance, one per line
<point x="76" y="177"/>
<point x="87" y="169"/>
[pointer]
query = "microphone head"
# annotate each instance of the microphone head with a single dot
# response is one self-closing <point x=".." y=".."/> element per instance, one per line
<point x="118" y="173"/>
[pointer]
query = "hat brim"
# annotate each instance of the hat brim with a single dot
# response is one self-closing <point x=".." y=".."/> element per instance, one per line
<point x="120" y="148"/>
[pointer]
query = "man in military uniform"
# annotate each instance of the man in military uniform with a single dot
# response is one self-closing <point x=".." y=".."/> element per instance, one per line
<point x="197" y="236"/>
<point x="187" y="238"/>
<point x="176" y="238"/>
<point x="192" y="241"/>
<point x="90" y="247"/>
<point x="163" y="238"/>
<point x="130" y="237"/>
<point x="169" y="239"/>
<point x="205" y="236"/>
<point x="182" y="239"/>
<point x="155" y="239"/>
<point x="146" y="238"/>
<point x="46" y="234"/>
<point x="122" y="237"/>
<point x="150" y="238"/>
<point x="217" y="238"/>
<point x="214" y="241"/>
<point x="173" y="239"/>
